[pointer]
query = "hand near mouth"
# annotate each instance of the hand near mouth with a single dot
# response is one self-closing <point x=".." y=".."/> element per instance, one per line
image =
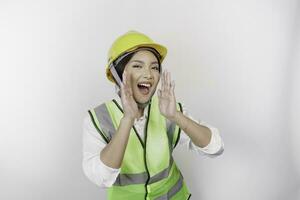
<point x="129" y="105"/>
<point x="166" y="96"/>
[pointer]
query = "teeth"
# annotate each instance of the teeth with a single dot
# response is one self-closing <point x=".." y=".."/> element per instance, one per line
<point x="145" y="84"/>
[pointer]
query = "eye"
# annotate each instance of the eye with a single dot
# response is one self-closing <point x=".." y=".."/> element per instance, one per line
<point x="137" y="66"/>
<point x="156" y="68"/>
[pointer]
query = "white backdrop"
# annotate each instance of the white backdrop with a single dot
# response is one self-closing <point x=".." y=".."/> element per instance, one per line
<point x="235" y="64"/>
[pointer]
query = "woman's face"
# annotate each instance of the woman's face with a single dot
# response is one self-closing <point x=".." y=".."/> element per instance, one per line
<point x="143" y="69"/>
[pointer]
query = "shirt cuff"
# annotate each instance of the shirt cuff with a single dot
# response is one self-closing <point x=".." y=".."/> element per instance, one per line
<point x="214" y="147"/>
<point x="109" y="174"/>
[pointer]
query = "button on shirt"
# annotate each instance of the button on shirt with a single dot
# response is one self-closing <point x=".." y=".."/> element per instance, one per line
<point x="104" y="176"/>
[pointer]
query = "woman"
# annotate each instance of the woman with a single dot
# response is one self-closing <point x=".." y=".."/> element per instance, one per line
<point x="128" y="141"/>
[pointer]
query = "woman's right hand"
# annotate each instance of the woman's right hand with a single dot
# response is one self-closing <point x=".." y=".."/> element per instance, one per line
<point x="130" y="107"/>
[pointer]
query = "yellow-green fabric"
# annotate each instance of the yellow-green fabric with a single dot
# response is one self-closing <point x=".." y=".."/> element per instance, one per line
<point x="148" y="170"/>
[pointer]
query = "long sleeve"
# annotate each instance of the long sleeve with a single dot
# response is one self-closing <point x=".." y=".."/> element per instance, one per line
<point x="214" y="148"/>
<point x="96" y="171"/>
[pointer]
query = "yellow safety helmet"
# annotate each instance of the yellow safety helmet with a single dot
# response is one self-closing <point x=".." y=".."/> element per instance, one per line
<point x="129" y="42"/>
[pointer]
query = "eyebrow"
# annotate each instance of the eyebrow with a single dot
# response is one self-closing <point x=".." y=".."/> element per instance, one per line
<point x="139" y="61"/>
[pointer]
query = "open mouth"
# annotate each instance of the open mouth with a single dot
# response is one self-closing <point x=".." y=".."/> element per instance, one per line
<point x="144" y="87"/>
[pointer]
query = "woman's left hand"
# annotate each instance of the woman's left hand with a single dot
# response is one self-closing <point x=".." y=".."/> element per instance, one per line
<point x="166" y="96"/>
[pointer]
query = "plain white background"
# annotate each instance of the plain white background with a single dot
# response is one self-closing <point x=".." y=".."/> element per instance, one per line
<point x="235" y="64"/>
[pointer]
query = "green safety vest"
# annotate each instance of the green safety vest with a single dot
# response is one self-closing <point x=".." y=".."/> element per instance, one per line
<point x="148" y="170"/>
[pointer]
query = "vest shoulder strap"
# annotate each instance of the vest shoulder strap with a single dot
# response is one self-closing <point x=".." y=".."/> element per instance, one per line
<point x="102" y="121"/>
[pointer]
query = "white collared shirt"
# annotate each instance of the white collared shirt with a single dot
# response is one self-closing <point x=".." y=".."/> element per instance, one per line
<point x="104" y="176"/>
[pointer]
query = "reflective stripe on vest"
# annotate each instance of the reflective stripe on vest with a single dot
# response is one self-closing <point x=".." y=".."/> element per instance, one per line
<point x="175" y="188"/>
<point x="144" y="167"/>
<point x="128" y="179"/>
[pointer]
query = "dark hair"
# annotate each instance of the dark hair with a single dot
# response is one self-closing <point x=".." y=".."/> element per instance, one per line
<point x="120" y="66"/>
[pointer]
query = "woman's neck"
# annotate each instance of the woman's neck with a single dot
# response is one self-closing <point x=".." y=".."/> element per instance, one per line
<point x="141" y="112"/>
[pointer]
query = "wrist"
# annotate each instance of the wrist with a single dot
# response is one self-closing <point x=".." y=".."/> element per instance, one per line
<point x="176" y="116"/>
<point x="128" y="119"/>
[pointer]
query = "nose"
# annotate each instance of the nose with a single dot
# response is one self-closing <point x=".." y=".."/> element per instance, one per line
<point x="148" y="74"/>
